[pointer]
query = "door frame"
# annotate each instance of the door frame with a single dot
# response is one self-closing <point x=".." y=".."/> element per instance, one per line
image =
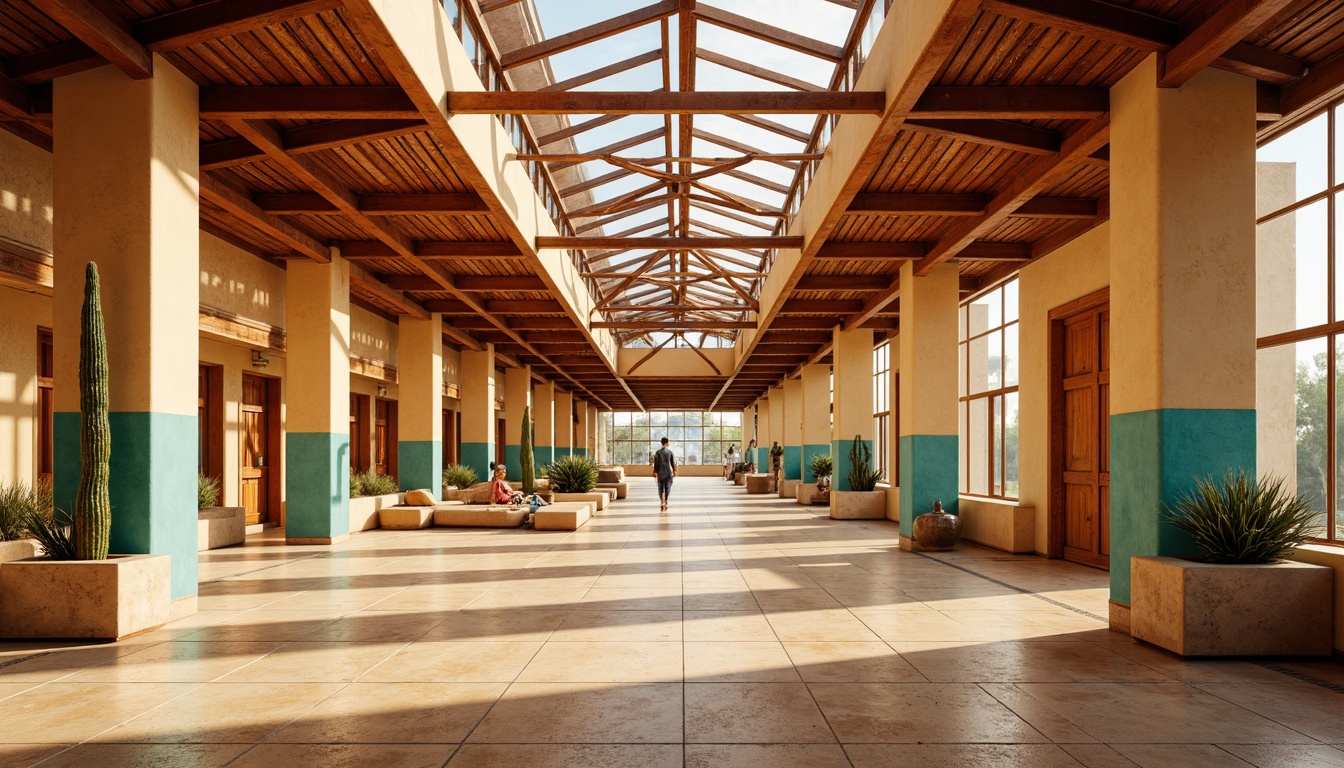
<point x="1057" y="316"/>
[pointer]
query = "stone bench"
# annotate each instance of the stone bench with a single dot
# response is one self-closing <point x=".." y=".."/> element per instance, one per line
<point x="404" y="518"/>
<point x="562" y="516"/>
<point x="479" y="516"/>
<point x="598" y="498"/>
<point x="220" y="527"/>
<point x="622" y="489"/>
<point x="610" y="475"/>
<point x="788" y="489"/>
<point x="760" y="483"/>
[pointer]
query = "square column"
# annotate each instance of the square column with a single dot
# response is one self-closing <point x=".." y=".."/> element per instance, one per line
<point x="748" y="433"/>
<point x="792" y="430"/>
<point x="1182" y="330"/>
<point x="930" y="470"/>
<point x="126" y="196"/>
<point x="478" y="409"/>
<point x="852" y="356"/>
<point x="420" y="403"/>
<point x="543" y="421"/>
<point x="816" y="414"/>
<point x="317" y="413"/>
<point x="776" y="399"/>
<point x="763" y="436"/>
<point x="585" y="413"/>
<point x="517" y="396"/>
<point x="564" y="423"/>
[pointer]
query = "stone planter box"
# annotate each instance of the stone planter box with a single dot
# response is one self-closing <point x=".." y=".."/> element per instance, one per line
<point x="858" y="505"/>
<point x="596" y="498"/>
<point x="93" y="599"/>
<point x="364" y="510"/>
<point x="622" y="489"/>
<point x="759" y="483"/>
<point x="19" y="549"/>
<point x="809" y="495"/>
<point x="740" y="478"/>
<point x="788" y="489"/>
<point x="405" y="518"/>
<point x="220" y="527"/>
<point x="1204" y="609"/>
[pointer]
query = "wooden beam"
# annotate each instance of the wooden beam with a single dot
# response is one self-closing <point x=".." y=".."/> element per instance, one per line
<point x="1322" y="85"/>
<point x="821" y="306"/>
<point x="675" y="102"/>
<point x="16" y="100"/>
<point x="404" y="303"/>
<point x="434" y="249"/>
<point x="1057" y="208"/>
<point x="322" y="102"/>
<point x="887" y="204"/>
<point x="309" y="203"/>
<point x="770" y="34"/>
<point x="1232" y="22"/>
<point x="605" y="72"/>
<point x="994" y="133"/>
<point x="588" y="34"/>
<point x="240" y="206"/>
<point x="670" y="327"/>
<point x="109" y="35"/>
<point x="1026" y="102"/>
<point x="489" y="283"/>
<point x="873" y="251"/>
<point x="840" y="283"/>
<point x="670" y="243"/>
<point x="982" y="250"/>
<point x="221" y="18"/>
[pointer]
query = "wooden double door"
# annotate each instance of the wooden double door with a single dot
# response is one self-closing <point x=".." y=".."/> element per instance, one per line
<point x="259" y="442"/>
<point x="1080" y="415"/>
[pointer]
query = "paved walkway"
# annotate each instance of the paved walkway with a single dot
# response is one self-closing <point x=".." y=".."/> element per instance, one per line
<point x="736" y="630"/>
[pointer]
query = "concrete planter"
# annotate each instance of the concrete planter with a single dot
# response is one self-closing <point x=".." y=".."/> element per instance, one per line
<point x="1205" y="609"/>
<point x="218" y="527"/>
<point x="19" y="549"/>
<point x="760" y="483"/>
<point x="809" y="495"/>
<point x="858" y="505"/>
<point x="788" y="489"/>
<point x="364" y="510"/>
<point x="740" y="478"/>
<point x="90" y="599"/>
<point x="597" y="498"/>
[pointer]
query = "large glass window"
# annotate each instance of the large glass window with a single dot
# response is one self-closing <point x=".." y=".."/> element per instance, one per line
<point x="695" y="437"/>
<point x="882" y="448"/>
<point x="1300" y="315"/>
<point x="988" y="354"/>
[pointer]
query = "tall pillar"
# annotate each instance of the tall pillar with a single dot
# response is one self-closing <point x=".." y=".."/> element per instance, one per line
<point x="564" y="423"/>
<point x="792" y="429"/>
<point x="816" y="416"/>
<point x="478" y="409"/>
<point x="543" y="420"/>
<point x="928" y="394"/>
<point x="763" y="436"/>
<point x="748" y="433"/>
<point x="420" y="403"/>
<point x="776" y="399"/>
<point x="852" y="360"/>
<point x="517" y="396"/>
<point x="1182" y="330"/>
<point x="585" y="413"/>
<point x="126" y="196"/>
<point x="317" y="414"/>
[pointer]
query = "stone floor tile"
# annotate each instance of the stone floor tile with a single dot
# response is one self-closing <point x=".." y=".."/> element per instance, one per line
<point x="454" y="662"/>
<point x="560" y="661"/>
<point x="772" y="755"/>
<point x="222" y="713"/>
<point x="959" y="755"/>
<point x="1303" y="707"/>
<point x="178" y="662"/>
<point x="584" y="713"/>
<point x="346" y="755"/>
<point x="940" y="713"/>
<point x="68" y="713"/>
<point x="663" y="598"/>
<point x="850" y="662"/>
<point x="726" y="626"/>
<point x="819" y="626"/>
<point x="612" y="626"/>
<point x="394" y="713"/>
<point x="497" y="626"/>
<point x="1288" y="755"/>
<point x="146" y="756"/>
<point x="1024" y="662"/>
<point x="305" y="662"/>
<point x="744" y="662"/>
<point x="753" y="713"/>
<point x="1184" y="755"/>
<point x="567" y="755"/>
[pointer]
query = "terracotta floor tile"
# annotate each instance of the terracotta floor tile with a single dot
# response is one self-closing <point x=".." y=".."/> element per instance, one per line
<point x="753" y="713"/>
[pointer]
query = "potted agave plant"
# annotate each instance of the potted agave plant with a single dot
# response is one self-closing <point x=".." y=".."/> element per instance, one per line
<point x="822" y="466"/>
<point x="862" y="501"/>
<point x="76" y="590"/>
<point x="1242" y="597"/>
<point x="574" y="478"/>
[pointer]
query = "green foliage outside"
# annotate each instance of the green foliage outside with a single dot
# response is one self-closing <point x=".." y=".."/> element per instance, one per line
<point x="1241" y="520"/>
<point x="459" y="476"/>
<point x="207" y="491"/>
<point x="572" y="474"/>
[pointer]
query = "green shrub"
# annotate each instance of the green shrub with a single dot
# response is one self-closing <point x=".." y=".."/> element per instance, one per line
<point x="372" y="483"/>
<point x="54" y="532"/>
<point x="19" y="502"/>
<point x="573" y="474"/>
<point x="207" y="491"/>
<point x="356" y="483"/>
<point x="862" y="476"/>
<point x="822" y="465"/>
<point x="1240" y="520"/>
<point x="459" y="476"/>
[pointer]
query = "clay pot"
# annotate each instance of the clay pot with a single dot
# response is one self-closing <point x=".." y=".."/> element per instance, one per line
<point x="937" y="531"/>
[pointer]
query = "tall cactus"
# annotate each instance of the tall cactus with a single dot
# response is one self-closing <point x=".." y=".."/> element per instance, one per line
<point x="93" y="506"/>
<point x="526" y="464"/>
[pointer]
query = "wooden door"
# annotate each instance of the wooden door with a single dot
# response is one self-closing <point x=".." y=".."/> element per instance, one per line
<point x="45" y="406"/>
<point x="500" y="434"/>
<point x="1082" y="436"/>
<point x="359" y="433"/>
<point x="385" y="437"/>
<point x="254" y="438"/>
<point x="450" y="438"/>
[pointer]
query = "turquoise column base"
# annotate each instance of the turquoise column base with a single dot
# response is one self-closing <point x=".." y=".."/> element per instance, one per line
<point x="152" y="485"/>
<point x="317" y="485"/>
<point x="805" y="462"/>
<point x="513" y="459"/>
<point x="561" y="453"/>
<point x="1155" y="457"/>
<point x="419" y="465"/>
<point x="478" y="456"/>
<point x="581" y="452"/>
<point x="840" y="451"/>
<point x="930" y="471"/>
<point x="793" y="462"/>
<point x="763" y="459"/>
<point x="542" y="455"/>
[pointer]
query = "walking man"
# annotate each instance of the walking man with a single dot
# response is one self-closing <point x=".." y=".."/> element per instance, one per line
<point x="664" y="468"/>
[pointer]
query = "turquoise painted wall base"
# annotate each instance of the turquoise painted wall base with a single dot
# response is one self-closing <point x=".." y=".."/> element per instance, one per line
<point x="317" y="485"/>
<point x="840" y="452"/>
<point x="152" y="486"/>
<point x="420" y="465"/>
<point x="561" y="453"/>
<point x="513" y="459"/>
<point x="1156" y="456"/>
<point x="929" y="472"/>
<point x="478" y="456"/>
<point x="821" y="449"/>
<point x="793" y="462"/>
<point x="542" y="455"/>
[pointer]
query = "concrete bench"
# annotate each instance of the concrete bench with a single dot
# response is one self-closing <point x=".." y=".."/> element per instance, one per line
<point x="562" y="516"/>
<point x="220" y="527"/>
<point x="610" y="475"/>
<point x="622" y="489"/>
<point x="405" y="518"/>
<point x="598" y="498"/>
<point x="479" y="516"/>
<point x="760" y="483"/>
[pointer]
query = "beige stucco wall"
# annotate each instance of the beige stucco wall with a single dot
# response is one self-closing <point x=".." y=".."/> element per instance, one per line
<point x="372" y="337"/>
<point x="20" y="316"/>
<point x="25" y="192"/>
<point x="674" y="363"/>
<point x="1076" y="270"/>
<point x="241" y="284"/>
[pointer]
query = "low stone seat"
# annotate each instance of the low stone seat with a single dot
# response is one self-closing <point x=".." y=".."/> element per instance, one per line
<point x="610" y="475"/>
<point x="598" y="498"/>
<point x="447" y="504"/>
<point x="622" y="489"/>
<point x="562" y="516"/>
<point x="479" y="516"/>
<point x="220" y="527"/>
<point x="760" y="483"/>
<point x="405" y="518"/>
